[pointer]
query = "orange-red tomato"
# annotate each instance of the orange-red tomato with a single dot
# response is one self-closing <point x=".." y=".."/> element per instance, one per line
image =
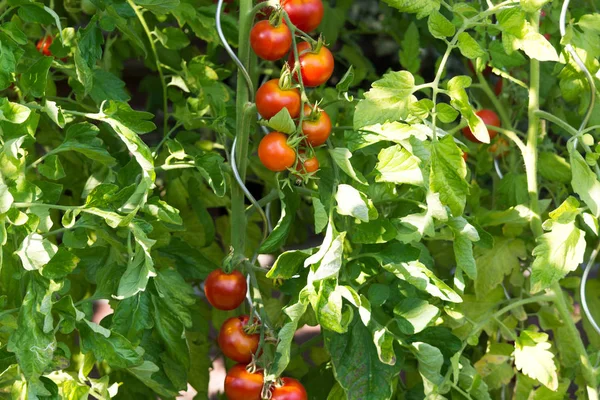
<point x="242" y="385"/>
<point x="465" y="156"/>
<point x="498" y="87"/>
<point x="270" y="99"/>
<point x="290" y="390"/>
<point x="225" y="291"/>
<point x="43" y="45"/>
<point x="235" y="343"/>
<point x="500" y="148"/>
<point x="316" y="68"/>
<point x="316" y="129"/>
<point x="270" y="42"/>
<point x="489" y="117"/>
<point x="309" y="165"/>
<point x="305" y="14"/>
<point x="275" y="153"/>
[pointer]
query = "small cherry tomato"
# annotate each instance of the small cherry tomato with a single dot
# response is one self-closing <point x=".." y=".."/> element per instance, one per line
<point x="235" y="343"/>
<point x="498" y="87"/>
<point x="308" y="166"/>
<point x="305" y="14"/>
<point x="290" y="389"/>
<point x="243" y="385"/>
<point x="270" y="42"/>
<point x="275" y="153"/>
<point x="225" y="291"/>
<point x="317" y="127"/>
<point x="270" y="99"/>
<point x="500" y="148"/>
<point x="316" y="68"/>
<point x="489" y="117"/>
<point x="43" y="45"/>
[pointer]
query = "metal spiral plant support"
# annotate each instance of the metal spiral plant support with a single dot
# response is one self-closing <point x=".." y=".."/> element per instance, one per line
<point x="590" y="78"/>
<point x="234" y="168"/>
<point x="498" y="170"/>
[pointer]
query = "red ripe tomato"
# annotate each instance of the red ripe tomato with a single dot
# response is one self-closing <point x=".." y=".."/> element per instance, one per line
<point x="43" y="45"/>
<point x="235" y="343"/>
<point x="270" y="99"/>
<point x="489" y="118"/>
<point x="270" y="42"/>
<point x="243" y="385"/>
<point x="305" y="14"/>
<point x="317" y="127"/>
<point x="275" y="153"/>
<point x="309" y="165"/>
<point x="225" y="291"/>
<point x="290" y="390"/>
<point x="316" y="67"/>
<point x="465" y="156"/>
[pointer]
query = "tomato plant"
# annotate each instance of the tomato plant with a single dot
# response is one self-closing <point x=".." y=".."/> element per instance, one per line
<point x="404" y="207"/>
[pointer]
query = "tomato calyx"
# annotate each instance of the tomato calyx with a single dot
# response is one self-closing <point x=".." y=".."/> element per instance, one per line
<point x="286" y="81"/>
<point x="233" y="261"/>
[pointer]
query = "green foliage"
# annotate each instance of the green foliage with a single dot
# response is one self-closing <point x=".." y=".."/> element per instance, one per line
<point x="430" y="274"/>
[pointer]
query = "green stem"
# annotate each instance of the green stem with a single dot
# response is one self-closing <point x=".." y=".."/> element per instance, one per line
<point x="52" y="206"/>
<point x="511" y="135"/>
<point x="484" y="85"/>
<point x="166" y="137"/>
<point x="142" y="20"/>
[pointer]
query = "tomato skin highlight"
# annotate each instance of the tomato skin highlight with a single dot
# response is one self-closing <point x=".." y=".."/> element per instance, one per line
<point x="225" y="291"/>
<point x="317" y="132"/>
<point x="43" y="45"/>
<point x="275" y="153"/>
<point x="270" y="42"/>
<point x="270" y="99"/>
<point x="316" y="68"/>
<point x="242" y="385"/>
<point x="305" y="14"/>
<point x="235" y="343"/>
<point x="291" y="390"/>
<point x="489" y="117"/>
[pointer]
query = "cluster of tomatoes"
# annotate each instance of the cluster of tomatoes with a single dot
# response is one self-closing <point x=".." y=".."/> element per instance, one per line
<point x="271" y="40"/>
<point x="239" y="340"/>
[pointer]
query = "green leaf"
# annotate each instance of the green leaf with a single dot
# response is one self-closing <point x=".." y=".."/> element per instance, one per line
<point x="33" y="80"/>
<point x="534" y="358"/>
<point x="177" y="295"/>
<point x="61" y="264"/>
<point x="494" y="264"/>
<point x="35" y="13"/>
<point x="288" y="264"/>
<point x="138" y="273"/>
<point x="430" y="365"/>
<point x="411" y="49"/>
<point x="350" y="202"/>
<point x="6" y="199"/>
<point x="289" y="205"/>
<point x="321" y="218"/>
<point x="52" y="168"/>
<point x="397" y="165"/>
<point x="495" y="367"/>
<point x="557" y="253"/>
<point x="554" y="168"/>
<point x="413" y="315"/>
<point x="106" y="86"/>
<point x="357" y="366"/>
<point x="584" y="181"/>
<point x="331" y="261"/>
<point x="35" y="251"/>
<point x="446" y="113"/>
<point x="387" y="100"/>
<point x="448" y="173"/>
<point x="82" y="138"/>
<point x="55" y="113"/>
<point x="13" y="112"/>
<point x="132" y="316"/>
<point x="158" y="6"/>
<point x="536" y="46"/>
<point x="464" y="236"/>
<point x="172" y="38"/>
<point x="282" y="122"/>
<point x="163" y="211"/>
<point x="108" y="345"/>
<point x="420" y="7"/>
<point x="7" y="65"/>
<point x="346" y="82"/>
<point x="469" y="46"/>
<point x="342" y="157"/>
<point x="460" y="101"/>
<point x="211" y="167"/>
<point x="439" y="26"/>
<point x="172" y="333"/>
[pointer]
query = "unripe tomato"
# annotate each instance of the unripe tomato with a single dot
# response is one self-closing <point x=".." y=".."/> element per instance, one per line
<point x="316" y="68"/>
<point x="225" y="291"/>
<point x="309" y="165"/>
<point x="235" y="343"/>
<point x="290" y="390"/>
<point x="88" y="7"/>
<point x="305" y="14"/>
<point x="43" y="45"/>
<point x="242" y="385"/>
<point x="270" y="42"/>
<point x="270" y="99"/>
<point x="500" y="148"/>
<point x="489" y="117"/>
<point x="275" y="153"/>
<point x="317" y="127"/>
